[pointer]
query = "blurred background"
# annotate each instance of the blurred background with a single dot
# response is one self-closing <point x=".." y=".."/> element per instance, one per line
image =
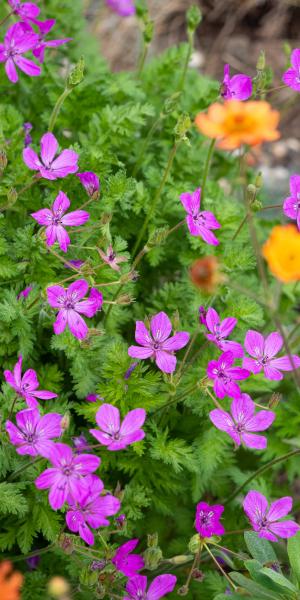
<point x="232" y="31"/>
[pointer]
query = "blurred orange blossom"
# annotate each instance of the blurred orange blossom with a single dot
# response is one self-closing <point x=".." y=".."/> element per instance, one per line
<point x="282" y="253"/>
<point x="10" y="582"/>
<point x="235" y="123"/>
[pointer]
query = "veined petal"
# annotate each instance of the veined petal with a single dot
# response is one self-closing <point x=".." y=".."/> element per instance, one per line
<point x="142" y="335"/>
<point x="27" y="66"/>
<point x="285" y="529"/>
<point x="191" y="202"/>
<point x="55" y="295"/>
<point x="77" y="325"/>
<point x="140" y="352"/>
<point x="133" y="421"/>
<point x="284" y="363"/>
<point x="212" y="319"/>
<point x="161" y="327"/>
<point x="221" y="419"/>
<point x="43" y="216"/>
<point x="160" y="586"/>
<point x="108" y="418"/>
<point x="31" y="159"/>
<point x="78" y="288"/>
<point x="259" y="442"/>
<point x="242" y="409"/>
<point x="77" y="217"/>
<point x="273" y="344"/>
<point x="261" y="421"/>
<point x="62" y="238"/>
<point x="227" y="326"/>
<point x="61" y="203"/>
<point x="254" y="343"/>
<point x="176" y="342"/>
<point x="255" y="506"/>
<point x="280" y="508"/>
<point x="49" y="147"/>
<point x="61" y="321"/>
<point x="166" y="362"/>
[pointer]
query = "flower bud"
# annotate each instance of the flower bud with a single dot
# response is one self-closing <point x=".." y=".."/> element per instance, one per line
<point x="183" y="591"/>
<point x="194" y="544"/>
<point x="98" y="565"/>
<point x="182" y="126"/>
<point x="251" y="193"/>
<point x="157" y="238"/>
<point x="171" y="103"/>
<point x="77" y="74"/>
<point x="194" y="18"/>
<point x="205" y="273"/>
<point x="274" y="400"/>
<point x="261" y="63"/>
<point x="181" y="559"/>
<point x="198" y="575"/>
<point x="66" y="544"/>
<point x="65" y="422"/>
<point x="256" y="205"/>
<point x="3" y="161"/>
<point x="259" y="180"/>
<point x="58" y="587"/>
<point x="125" y="299"/>
<point x="12" y="197"/>
<point x="152" y="557"/>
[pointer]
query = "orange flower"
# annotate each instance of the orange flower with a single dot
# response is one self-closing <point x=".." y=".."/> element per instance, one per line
<point x="205" y="273"/>
<point x="282" y="252"/>
<point x="235" y="123"/>
<point x="10" y="583"/>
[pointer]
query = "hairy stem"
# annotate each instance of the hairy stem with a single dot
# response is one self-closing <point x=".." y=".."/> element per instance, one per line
<point x="220" y="568"/>
<point x="57" y="107"/>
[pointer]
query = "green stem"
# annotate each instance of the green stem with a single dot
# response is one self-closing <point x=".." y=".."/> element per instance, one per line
<point x="240" y="227"/>
<point x="220" y="568"/>
<point x="186" y="62"/>
<point x="177" y="399"/>
<point x="6" y="18"/>
<point x="65" y="262"/>
<point x="142" y="59"/>
<point x="207" y="167"/>
<point x="31" y="554"/>
<point x="23" y="468"/>
<point x="57" y="107"/>
<point x="145" y="145"/>
<point x="259" y="471"/>
<point x="156" y="198"/>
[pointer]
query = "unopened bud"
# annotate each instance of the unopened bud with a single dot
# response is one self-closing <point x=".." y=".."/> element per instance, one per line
<point x="125" y="299"/>
<point x="58" y="587"/>
<point x="77" y="74"/>
<point x="181" y="559"/>
<point x="194" y="544"/>
<point x="182" y="126"/>
<point x="12" y="196"/>
<point x="152" y="540"/>
<point x="131" y="276"/>
<point x="193" y="17"/>
<point x="197" y="575"/>
<point x="98" y="565"/>
<point x="65" y="422"/>
<point x="3" y="161"/>
<point x="171" y="103"/>
<point x="259" y="180"/>
<point x="251" y="193"/>
<point x="66" y="544"/>
<point x="157" y="238"/>
<point x="274" y="400"/>
<point x="261" y="63"/>
<point x="256" y="205"/>
<point x="152" y="557"/>
<point x="148" y="31"/>
<point x="183" y="591"/>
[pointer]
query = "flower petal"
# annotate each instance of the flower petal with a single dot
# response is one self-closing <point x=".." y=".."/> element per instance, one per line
<point x="142" y="335"/>
<point x="49" y="147"/>
<point x="285" y="529"/>
<point x="280" y="508"/>
<point x="166" y="362"/>
<point x="108" y="418"/>
<point x="77" y="217"/>
<point x="133" y="421"/>
<point x="61" y="203"/>
<point x="255" y="506"/>
<point x="273" y="344"/>
<point x="160" y="586"/>
<point x="161" y="327"/>
<point x="176" y="342"/>
<point x="254" y="343"/>
<point x="259" y="442"/>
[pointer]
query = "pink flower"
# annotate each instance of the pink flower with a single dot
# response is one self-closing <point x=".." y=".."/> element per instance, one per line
<point x="127" y="563"/>
<point x="219" y="330"/>
<point x="16" y="42"/>
<point x="25" y="293"/>
<point x="225" y="374"/>
<point x="80" y="443"/>
<point x="111" y="259"/>
<point x="44" y="28"/>
<point x="93" y="398"/>
<point x="238" y="87"/>
<point x="91" y="509"/>
<point x="202" y="316"/>
<point x="33" y="434"/>
<point x="263" y="352"/>
<point x="158" y="344"/>
<point x="25" y="10"/>
<point x="90" y="182"/>
<point x="50" y="167"/>
<point x="291" y="205"/>
<point x="55" y="220"/>
<point x="265" y="520"/>
<point x="66" y="478"/>
<point x="207" y="521"/>
<point x="136" y="588"/>
<point x="242" y="422"/>
<point x="124" y="8"/>
<point x="76" y="263"/>
<point x="27" y="386"/>
<point x="70" y="303"/>
<point x="116" y="435"/>
<point x="199" y="222"/>
<point x="292" y="76"/>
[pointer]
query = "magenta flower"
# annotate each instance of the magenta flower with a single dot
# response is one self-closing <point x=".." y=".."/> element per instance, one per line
<point x="238" y="87"/>
<point x="91" y="183"/>
<point x="80" y="443"/>
<point x="70" y="304"/>
<point x="225" y="376"/>
<point x="263" y="352"/>
<point x="265" y="520"/>
<point x="76" y="263"/>
<point x="25" y="10"/>
<point x="25" y="293"/>
<point x="127" y="563"/>
<point x="111" y="259"/>
<point x="26" y="386"/>
<point x="291" y="77"/>
<point x="42" y="44"/>
<point x="55" y="220"/>
<point x="202" y="316"/>
<point x="48" y="166"/>
<point x="33" y="433"/>
<point x="207" y="520"/>
<point x="93" y="398"/>
<point x="16" y="42"/>
<point x="90" y="509"/>
<point x="291" y="205"/>
<point x="124" y="8"/>
<point x="219" y="330"/>
<point x="136" y="588"/>
<point x="199" y="222"/>
<point x="27" y="139"/>
<point x="242" y="423"/>
<point x="66" y="478"/>
<point x="116" y="435"/>
<point x="158" y="344"/>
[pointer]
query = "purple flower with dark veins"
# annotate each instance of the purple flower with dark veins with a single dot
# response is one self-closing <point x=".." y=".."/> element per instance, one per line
<point x="242" y="423"/>
<point x="263" y="352"/>
<point x="125" y="561"/>
<point x="238" y="87"/>
<point x="207" y="520"/>
<point x="16" y="42"/>
<point x="225" y="375"/>
<point x="91" y="183"/>
<point x="25" y="293"/>
<point x="27" y="11"/>
<point x="33" y="434"/>
<point x="26" y="385"/>
<point x="202" y="316"/>
<point x="55" y="220"/>
<point x="291" y="77"/>
<point x="219" y="330"/>
<point x="44" y="28"/>
<point x="199" y="222"/>
<point x="114" y="434"/>
<point x="265" y="519"/>
<point x="158" y="344"/>
<point x="111" y="259"/>
<point x="291" y="205"/>
<point x="48" y="166"/>
<point x="136" y="587"/>
<point x="27" y="139"/>
<point x="80" y="443"/>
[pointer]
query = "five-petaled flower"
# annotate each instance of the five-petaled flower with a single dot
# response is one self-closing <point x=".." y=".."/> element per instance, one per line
<point x="27" y="386"/>
<point x="265" y="519"/>
<point x="70" y="304"/>
<point x="219" y="330"/>
<point x="291" y="205"/>
<point x="66" y="477"/>
<point x="243" y="422"/>
<point x="48" y="166"/>
<point x="33" y="434"/>
<point x="136" y="588"/>
<point x="199" y="222"/>
<point x="17" y="41"/>
<point x="10" y="582"/>
<point x="207" y="520"/>
<point x="263" y="352"/>
<point x="90" y="509"/>
<point x="282" y="252"/>
<point x="127" y="562"/>
<point x="124" y="8"/>
<point x="27" y="11"/>
<point x="55" y="220"/>
<point x="111" y="259"/>
<point x="225" y="375"/>
<point x="158" y="344"/>
<point x="291" y="77"/>
<point x="90" y="182"/>
<point x="238" y="87"/>
<point x="114" y="434"/>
